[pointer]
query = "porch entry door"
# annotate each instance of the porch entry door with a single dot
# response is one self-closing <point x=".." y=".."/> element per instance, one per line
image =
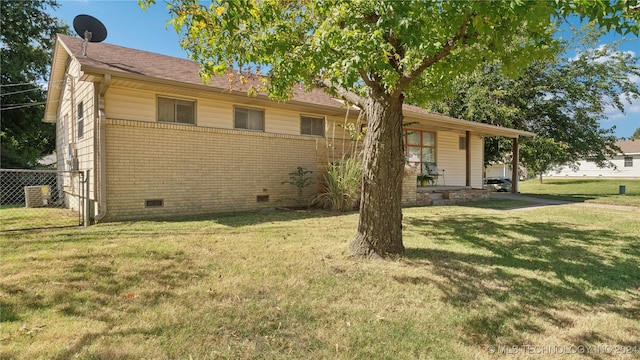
<point x="420" y="148"/>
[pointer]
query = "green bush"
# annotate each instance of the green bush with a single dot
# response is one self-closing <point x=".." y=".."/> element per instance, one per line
<point x="341" y="190"/>
<point x="301" y="180"/>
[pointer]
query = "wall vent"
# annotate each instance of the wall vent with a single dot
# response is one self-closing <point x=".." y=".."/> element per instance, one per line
<point x="154" y="203"/>
<point x="262" y="198"/>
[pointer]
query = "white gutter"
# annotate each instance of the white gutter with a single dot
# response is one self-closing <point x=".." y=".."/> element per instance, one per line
<point x="102" y="161"/>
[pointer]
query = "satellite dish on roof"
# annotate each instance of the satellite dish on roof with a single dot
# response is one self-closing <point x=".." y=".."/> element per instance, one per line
<point x="90" y="29"/>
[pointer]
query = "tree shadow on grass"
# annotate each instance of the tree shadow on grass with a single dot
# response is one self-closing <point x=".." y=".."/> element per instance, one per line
<point x="249" y="218"/>
<point x="104" y="293"/>
<point x="529" y="272"/>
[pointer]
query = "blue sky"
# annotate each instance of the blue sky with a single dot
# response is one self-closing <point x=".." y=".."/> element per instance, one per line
<point x="128" y="25"/>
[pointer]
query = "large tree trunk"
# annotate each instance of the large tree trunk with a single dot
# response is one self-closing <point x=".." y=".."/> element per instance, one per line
<point x="380" y="226"/>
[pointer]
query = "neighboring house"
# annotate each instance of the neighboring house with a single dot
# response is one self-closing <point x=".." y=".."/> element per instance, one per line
<point x="157" y="142"/>
<point x="623" y="165"/>
<point x="504" y="170"/>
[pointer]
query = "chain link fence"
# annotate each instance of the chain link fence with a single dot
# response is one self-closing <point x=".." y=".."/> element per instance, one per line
<point x="37" y="199"/>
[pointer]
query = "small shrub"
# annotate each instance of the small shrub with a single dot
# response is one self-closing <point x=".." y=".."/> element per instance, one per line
<point x="300" y="180"/>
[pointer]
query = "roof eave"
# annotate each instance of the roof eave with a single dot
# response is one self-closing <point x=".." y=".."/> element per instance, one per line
<point x="476" y="127"/>
<point x="91" y="73"/>
<point x="56" y="77"/>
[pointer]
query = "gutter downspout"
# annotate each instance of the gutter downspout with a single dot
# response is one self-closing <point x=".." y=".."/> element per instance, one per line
<point x="102" y="161"/>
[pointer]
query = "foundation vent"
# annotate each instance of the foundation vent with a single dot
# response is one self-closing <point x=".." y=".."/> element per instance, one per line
<point x="154" y="203"/>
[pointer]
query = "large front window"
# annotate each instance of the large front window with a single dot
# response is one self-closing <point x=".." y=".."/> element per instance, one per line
<point x="420" y="148"/>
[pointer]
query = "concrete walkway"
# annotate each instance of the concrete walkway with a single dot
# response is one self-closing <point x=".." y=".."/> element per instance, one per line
<point x="538" y="202"/>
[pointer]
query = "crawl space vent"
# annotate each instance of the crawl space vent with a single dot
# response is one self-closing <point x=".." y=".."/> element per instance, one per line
<point x="154" y="203"/>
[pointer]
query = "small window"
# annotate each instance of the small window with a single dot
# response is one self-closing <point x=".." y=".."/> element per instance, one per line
<point x="176" y="110"/>
<point x="462" y="143"/>
<point x="311" y="125"/>
<point x="628" y="161"/>
<point x="250" y="119"/>
<point x="80" y="122"/>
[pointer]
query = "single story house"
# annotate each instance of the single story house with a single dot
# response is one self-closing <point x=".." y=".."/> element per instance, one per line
<point x="625" y="164"/>
<point x="159" y="143"/>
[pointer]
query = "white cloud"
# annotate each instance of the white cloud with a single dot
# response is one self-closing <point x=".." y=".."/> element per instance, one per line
<point x="603" y="58"/>
<point x="613" y="113"/>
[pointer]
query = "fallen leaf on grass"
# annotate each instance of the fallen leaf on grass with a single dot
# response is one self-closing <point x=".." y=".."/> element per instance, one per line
<point x="29" y="331"/>
<point x="131" y="296"/>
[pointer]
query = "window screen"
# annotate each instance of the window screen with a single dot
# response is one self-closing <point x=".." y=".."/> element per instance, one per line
<point x="628" y="161"/>
<point x="176" y="110"/>
<point x="311" y="125"/>
<point x="250" y="119"/>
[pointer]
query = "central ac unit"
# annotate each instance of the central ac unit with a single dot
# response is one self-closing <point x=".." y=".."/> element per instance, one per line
<point x="37" y="196"/>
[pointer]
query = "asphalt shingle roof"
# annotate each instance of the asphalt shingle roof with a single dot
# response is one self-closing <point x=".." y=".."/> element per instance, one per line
<point x="119" y="59"/>
<point x="629" y="146"/>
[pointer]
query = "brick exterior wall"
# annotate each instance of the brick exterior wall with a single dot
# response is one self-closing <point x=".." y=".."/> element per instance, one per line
<point x="426" y="197"/>
<point x="196" y="170"/>
<point x="409" y="184"/>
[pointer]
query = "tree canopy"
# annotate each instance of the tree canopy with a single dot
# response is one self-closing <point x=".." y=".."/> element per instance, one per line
<point x="375" y="54"/>
<point x="561" y="99"/>
<point x="27" y="35"/>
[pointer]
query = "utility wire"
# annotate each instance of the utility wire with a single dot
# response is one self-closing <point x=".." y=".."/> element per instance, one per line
<point x="21" y="84"/>
<point x="19" y="92"/>
<point x="20" y="106"/>
<point x="24" y="105"/>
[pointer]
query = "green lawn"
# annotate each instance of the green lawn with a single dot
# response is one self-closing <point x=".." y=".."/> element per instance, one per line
<point x="18" y="217"/>
<point x="282" y="285"/>
<point x="602" y="191"/>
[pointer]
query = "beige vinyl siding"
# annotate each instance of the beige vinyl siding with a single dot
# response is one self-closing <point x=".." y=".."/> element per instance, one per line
<point x="140" y="105"/>
<point x="69" y="145"/>
<point x="280" y="121"/>
<point x="128" y="104"/>
<point x="214" y="114"/>
<point x="84" y="144"/>
<point x="450" y="158"/>
<point x="453" y="160"/>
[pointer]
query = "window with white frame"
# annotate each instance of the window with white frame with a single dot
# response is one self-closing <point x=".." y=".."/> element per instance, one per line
<point x="176" y="110"/>
<point x="628" y="161"/>
<point x="80" y="120"/>
<point x="312" y="125"/>
<point x="249" y="119"/>
<point x="420" y="148"/>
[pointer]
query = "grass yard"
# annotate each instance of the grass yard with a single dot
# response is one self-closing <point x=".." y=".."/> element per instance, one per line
<point x="601" y="191"/>
<point x="19" y="217"/>
<point x="281" y="285"/>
